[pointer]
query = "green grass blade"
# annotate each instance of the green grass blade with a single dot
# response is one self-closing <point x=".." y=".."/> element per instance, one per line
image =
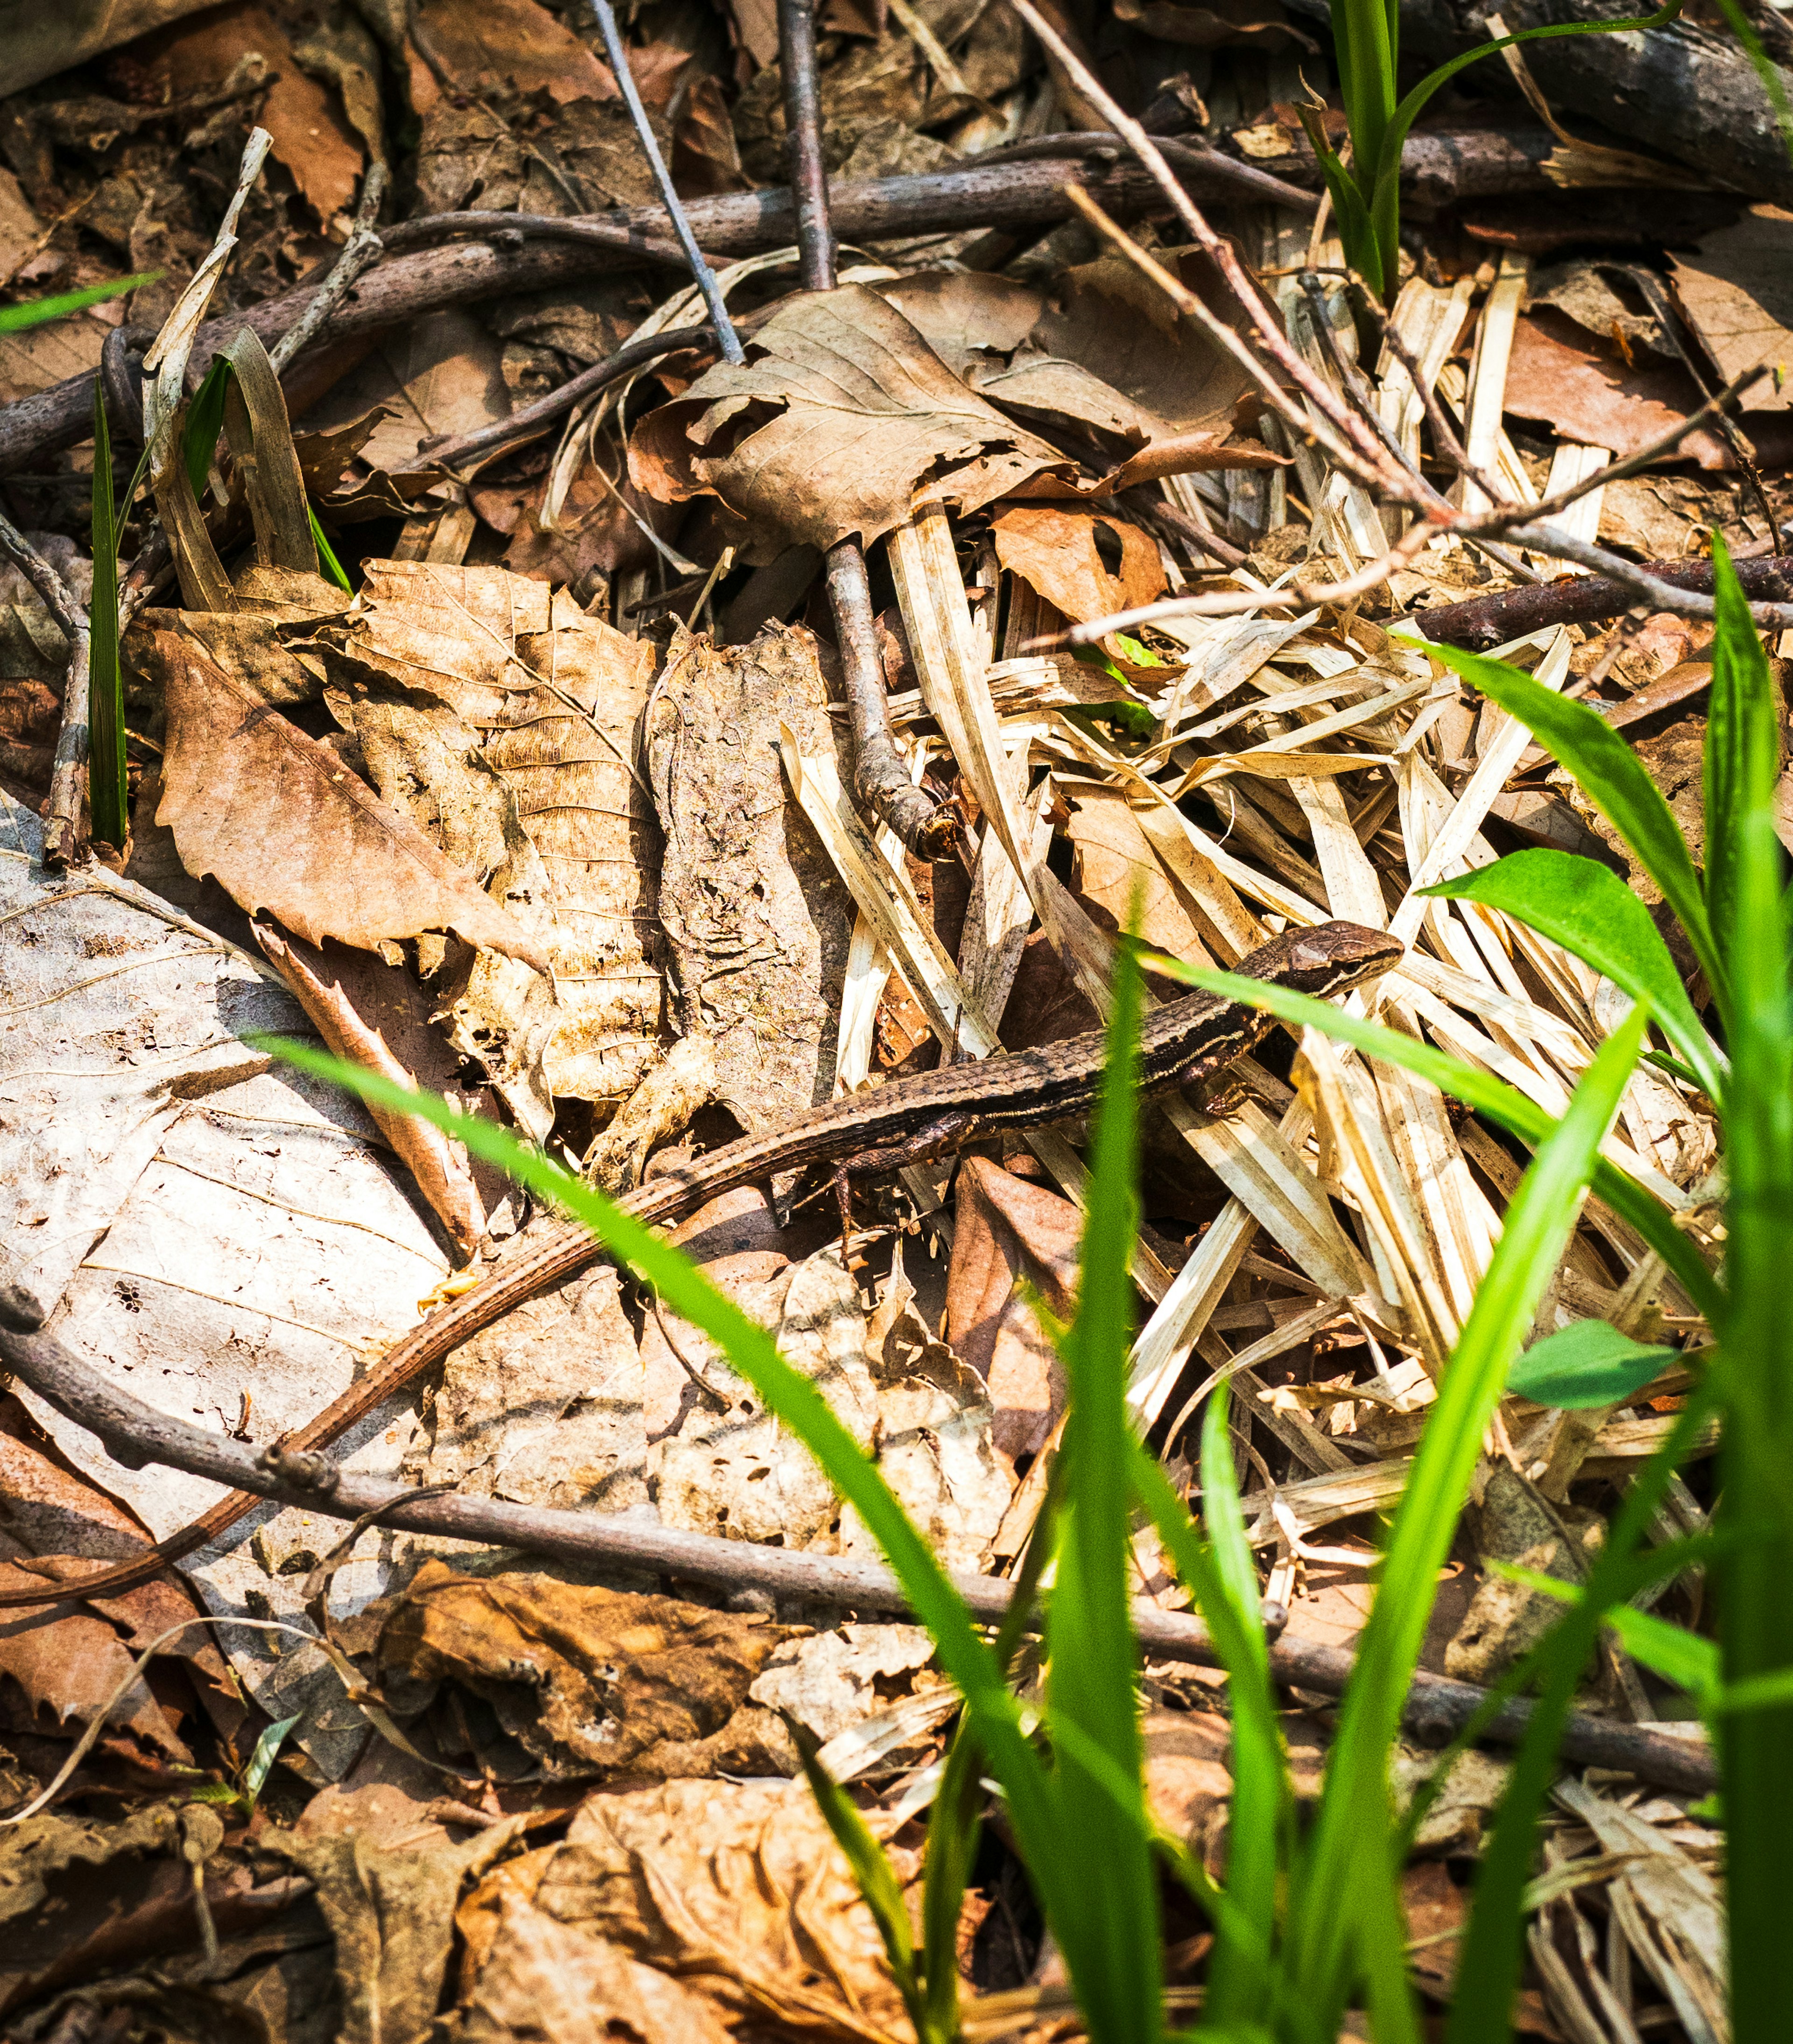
<point x="968" y="1663"/>
<point x="1385" y="176"/>
<point x="108" y="788"/>
<point x="875" y="1878"/>
<point x="1586" y="908"/>
<point x="1499" y="1102"/>
<point x="1613" y="778"/>
<point x="1740" y="704"/>
<point x="952" y="1836"/>
<point x="205" y="422"/>
<point x="326" y="556"/>
<point x="15" y="319"/>
<point x="1354" y="1803"/>
<point x="1755" y="1334"/>
<point x="1239" y="1975"/>
<point x="1488" y="1972"/>
<point x="1091" y="1682"/>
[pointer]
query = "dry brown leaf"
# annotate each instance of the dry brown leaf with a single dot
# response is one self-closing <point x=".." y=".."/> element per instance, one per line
<point x="546" y="1406"/>
<point x="705" y="158"/>
<point x="1007" y="1228"/>
<point x="756" y="920"/>
<point x="841" y="415"/>
<point x="502" y="717"/>
<point x="313" y="138"/>
<point x="587" y="1681"/>
<point x="736" y="1888"/>
<point x="286" y="826"/>
<point x="541" y="1981"/>
<point x="441" y="373"/>
<point x="833" y="1679"/>
<point x="1117" y="868"/>
<point x="1558" y="374"/>
<point x="728" y="1465"/>
<point x="1735" y="293"/>
<point x="1054" y="552"/>
<point x="369" y="1012"/>
<point x="486" y="45"/>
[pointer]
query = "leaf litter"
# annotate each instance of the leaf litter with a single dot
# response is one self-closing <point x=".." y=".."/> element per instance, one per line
<point x="514" y="819"/>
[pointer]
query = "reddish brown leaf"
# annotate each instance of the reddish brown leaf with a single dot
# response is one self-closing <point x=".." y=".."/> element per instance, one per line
<point x="287" y="827"/>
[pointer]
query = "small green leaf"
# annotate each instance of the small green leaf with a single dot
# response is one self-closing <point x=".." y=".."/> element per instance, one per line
<point x="1585" y="907"/>
<point x="1589" y="1364"/>
<point x="205" y="422"/>
<point x="1613" y="778"/>
<point x="1131" y="718"/>
<point x="261" y="1760"/>
<point x="326" y="555"/>
<point x="14" y="319"/>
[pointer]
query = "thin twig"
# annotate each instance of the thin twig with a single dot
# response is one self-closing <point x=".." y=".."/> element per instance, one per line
<point x="362" y="249"/>
<point x="68" y="779"/>
<point x="137" y="1433"/>
<point x="1197" y="159"/>
<point x="457" y="451"/>
<point x="880" y="779"/>
<point x="726" y="338"/>
<point x="1485" y="621"/>
<point x="1271" y="338"/>
<point x="507" y="231"/>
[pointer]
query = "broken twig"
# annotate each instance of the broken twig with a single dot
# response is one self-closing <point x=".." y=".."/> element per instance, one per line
<point x="68" y="770"/>
<point x="880" y="779"/>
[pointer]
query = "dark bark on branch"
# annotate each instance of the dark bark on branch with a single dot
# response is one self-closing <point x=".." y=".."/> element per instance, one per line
<point x="1487" y="621"/>
<point x="135" y="1434"/>
<point x="1683" y="91"/>
<point x="1011" y="196"/>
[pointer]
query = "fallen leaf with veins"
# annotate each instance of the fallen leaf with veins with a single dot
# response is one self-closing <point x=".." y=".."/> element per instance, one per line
<point x="285" y="826"/>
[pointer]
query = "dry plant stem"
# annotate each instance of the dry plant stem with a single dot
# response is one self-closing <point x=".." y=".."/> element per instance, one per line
<point x="506" y="231"/>
<point x="136" y="1435"/>
<point x="880" y="779"/>
<point x="1305" y="425"/>
<point x="1197" y="159"/>
<point x="68" y="775"/>
<point x="702" y="274"/>
<point x="362" y="249"/>
<point x="1184" y="529"/>
<point x="1226" y="257"/>
<point x="481" y="446"/>
<point x="1487" y="621"/>
<point x="407" y="285"/>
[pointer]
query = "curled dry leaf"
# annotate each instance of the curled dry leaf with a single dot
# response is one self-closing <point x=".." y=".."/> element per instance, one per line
<point x="502" y="718"/>
<point x="736" y="1888"/>
<point x="1732" y="291"/>
<point x="841" y="419"/>
<point x="587" y="1681"/>
<point x="368" y="1011"/>
<point x="1054" y="552"/>
<point x="554" y="1982"/>
<point x="1008" y="1229"/>
<point x="285" y="826"/>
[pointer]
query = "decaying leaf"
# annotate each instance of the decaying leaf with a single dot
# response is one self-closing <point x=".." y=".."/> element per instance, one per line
<point x="502" y="718"/>
<point x="732" y="1467"/>
<point x="285" y="825"/>
<point x="1054" y="551"/>
<point x="1559" y="373"/>
<point x="546" y="1406"/>
<point x="840" y="419"/>
<point x="1008" y="1229"/>
<point x="586" y="1680"/>
<point x="757" y="922"/>
<point x="370" y="1012"/>
<point x="831" y="1681"/>
<point x="486" y="44"/>
<point x="736" y="1888"/>
<point x="548" y="1982"/>
<point x="1733" y="291"/>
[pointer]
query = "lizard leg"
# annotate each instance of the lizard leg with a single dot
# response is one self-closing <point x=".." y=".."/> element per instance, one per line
<point x="938" y="1136"/>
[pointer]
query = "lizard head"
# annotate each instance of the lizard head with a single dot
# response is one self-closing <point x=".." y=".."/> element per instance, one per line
<point x="1333" y="958"/>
